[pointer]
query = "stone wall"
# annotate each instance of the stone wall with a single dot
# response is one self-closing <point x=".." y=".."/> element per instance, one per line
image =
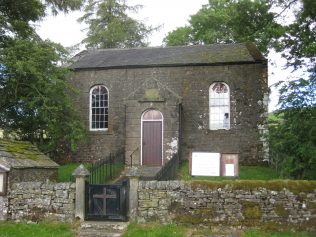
<point x="36" y="201"/>
<point x="3" y="207"/>
<point x="32" y="174"/>
<point x="241" y="203"/>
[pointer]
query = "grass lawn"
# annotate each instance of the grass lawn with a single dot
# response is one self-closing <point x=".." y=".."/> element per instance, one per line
<point x="8" y="229"/>
<point x="245" y="173"/>
<point x="172" y="230"/>
<point x="154" y="230"/>
<point x="65" y="172"/>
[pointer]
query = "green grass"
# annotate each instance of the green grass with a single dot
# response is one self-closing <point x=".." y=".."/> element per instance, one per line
<point x="156" y="230"/>
<point x="267" y="233"/>
<point x="65" y="172"/>
<point x="35" y="230"/>
<point x="245" y="173"/>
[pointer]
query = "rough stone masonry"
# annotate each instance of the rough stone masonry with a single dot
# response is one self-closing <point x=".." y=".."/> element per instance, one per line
<point x="207" y="204"/>
<point x="36" y="201"/>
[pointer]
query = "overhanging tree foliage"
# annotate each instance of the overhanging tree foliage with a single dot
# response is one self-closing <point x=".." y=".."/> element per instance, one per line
<point x="111" y="27"/>
<point x="292" y="136"/>
<point x="34" y="102"/>
<point x="223" y="21"/>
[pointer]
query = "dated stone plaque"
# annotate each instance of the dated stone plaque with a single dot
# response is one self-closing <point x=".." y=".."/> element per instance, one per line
<point x="205" y="164"/>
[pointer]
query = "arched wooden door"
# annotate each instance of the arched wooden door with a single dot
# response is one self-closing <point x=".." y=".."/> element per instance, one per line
<point x="152" y="125"/>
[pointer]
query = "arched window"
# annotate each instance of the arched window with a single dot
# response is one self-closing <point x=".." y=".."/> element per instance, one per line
<point x="99" y="108"/>
<point x="219" y="106"/>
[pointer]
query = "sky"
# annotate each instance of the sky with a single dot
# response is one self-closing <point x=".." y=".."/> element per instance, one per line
<point x="168" y="14"/>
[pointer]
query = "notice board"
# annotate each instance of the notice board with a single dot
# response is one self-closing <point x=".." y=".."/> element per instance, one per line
<point x="205" y="164"/>
<point x="229" y="164"/>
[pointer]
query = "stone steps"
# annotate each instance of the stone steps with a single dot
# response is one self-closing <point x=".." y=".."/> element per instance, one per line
<point x="101" y="229"/>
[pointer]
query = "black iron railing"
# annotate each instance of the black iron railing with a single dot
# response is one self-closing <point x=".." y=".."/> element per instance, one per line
<point x="169" y="170"/>
<point x="105" y="170"/>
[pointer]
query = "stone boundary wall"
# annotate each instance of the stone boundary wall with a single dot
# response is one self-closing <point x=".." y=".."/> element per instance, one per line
<point x="3" y="208"/>
<point x="34" y="201"/>
<point x="238" y="204"/>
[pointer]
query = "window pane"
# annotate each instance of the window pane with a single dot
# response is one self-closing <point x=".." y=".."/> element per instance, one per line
<point x="219" y="106"/>
<point x="99" y="107"/>
<point x="152" y="115"/>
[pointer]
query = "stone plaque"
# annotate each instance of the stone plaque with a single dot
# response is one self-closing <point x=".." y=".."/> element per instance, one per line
<point x="205" y="164"/>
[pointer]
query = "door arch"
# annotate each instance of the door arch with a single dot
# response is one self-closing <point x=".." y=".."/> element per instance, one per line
<point x="152" y="138"/>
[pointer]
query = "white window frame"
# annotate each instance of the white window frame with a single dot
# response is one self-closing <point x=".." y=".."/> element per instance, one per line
<point x="225" y="107"/>
<point x="90" y="109"/>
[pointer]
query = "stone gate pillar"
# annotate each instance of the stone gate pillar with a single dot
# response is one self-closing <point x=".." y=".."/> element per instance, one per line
<point x="133" y="176"/>
<point x="80" y="174"/>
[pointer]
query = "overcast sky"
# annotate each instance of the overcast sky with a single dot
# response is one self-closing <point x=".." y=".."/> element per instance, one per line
<point x="169" y="14"/>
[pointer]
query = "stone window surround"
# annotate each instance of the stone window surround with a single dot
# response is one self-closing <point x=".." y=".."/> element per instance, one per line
<point x="90" y="109"/>
<point x="226" y="124"/>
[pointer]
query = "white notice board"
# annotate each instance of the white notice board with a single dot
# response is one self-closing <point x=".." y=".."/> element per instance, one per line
<point x="205" y="164"/>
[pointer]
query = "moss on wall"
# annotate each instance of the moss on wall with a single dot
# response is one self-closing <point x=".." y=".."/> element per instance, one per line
<point x="281" y="211"/>
<point x="295" y="186"/>
<point x="251" y="211"/>
<point x="20" y="149"/>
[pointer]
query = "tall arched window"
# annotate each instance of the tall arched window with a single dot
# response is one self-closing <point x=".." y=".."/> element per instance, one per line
<point x="99" y="108"/>
<point x="219" y="106"/>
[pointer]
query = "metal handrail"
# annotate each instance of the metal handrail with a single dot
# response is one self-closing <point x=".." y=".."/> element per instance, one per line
<point x="131" y="155"/>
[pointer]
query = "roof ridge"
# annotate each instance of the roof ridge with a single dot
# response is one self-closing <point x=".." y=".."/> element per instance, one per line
<point x="161" y="47"/>
<point x="185" y="55"/>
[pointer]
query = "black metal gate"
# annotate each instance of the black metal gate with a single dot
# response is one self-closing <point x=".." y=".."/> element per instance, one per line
<point x="106" y="201"/>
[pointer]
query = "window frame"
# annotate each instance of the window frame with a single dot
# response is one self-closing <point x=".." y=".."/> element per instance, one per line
<point x="105" y="107"/>
<point x="225" y="105"/>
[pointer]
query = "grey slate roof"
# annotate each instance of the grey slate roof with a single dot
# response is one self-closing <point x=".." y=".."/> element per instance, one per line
<point x="18" y="154"/>
<point x="168" y="56"/>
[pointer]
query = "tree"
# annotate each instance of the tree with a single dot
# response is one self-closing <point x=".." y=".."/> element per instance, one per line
<point x="298" y="43"/>
<point x="17" y="16"/>
<point x="223" y="21"/>
<point x="111" y="27"/>
<point x="34" y="101"/>
<point x="292" y="138"/>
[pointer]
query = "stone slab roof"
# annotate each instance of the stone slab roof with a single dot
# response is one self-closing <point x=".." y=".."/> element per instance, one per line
<point x="168" y="56"/>
<point x="19" y="154"/>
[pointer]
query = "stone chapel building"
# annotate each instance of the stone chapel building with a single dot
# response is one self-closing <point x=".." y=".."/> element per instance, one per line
<point x="157" y="102"/>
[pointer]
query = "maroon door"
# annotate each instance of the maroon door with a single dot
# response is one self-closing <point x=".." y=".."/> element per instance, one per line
<point x="152" y="143"/>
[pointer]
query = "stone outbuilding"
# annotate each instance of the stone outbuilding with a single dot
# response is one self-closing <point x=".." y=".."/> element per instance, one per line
<point x="23" y="162"/>
<point x="158" y="102"/>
